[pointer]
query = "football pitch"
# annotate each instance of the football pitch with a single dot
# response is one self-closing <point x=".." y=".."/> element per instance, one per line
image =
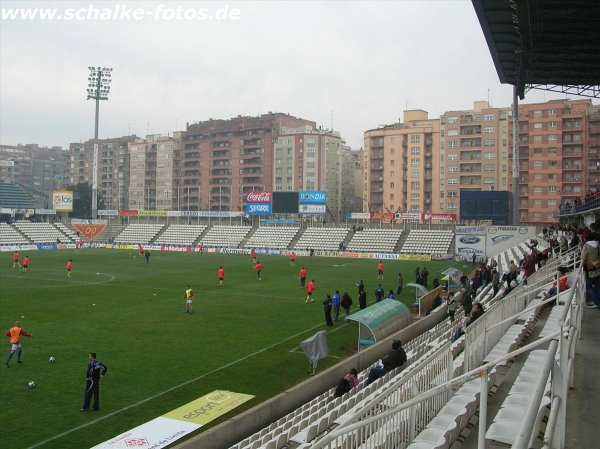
<point x="243" y="337"/>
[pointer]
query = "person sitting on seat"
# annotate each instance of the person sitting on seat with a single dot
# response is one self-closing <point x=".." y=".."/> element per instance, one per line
<point x="395" y="359"/>
<point x="348" y="382"/>
<point x="562" y="284"/>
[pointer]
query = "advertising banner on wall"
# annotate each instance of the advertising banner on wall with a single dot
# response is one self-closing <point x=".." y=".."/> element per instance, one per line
<point x="259" y="197"/>
<point x="312" y="208"/>
<point x="62" y="200"/>
<point x="312" y="197"/>
<point x="467" y="245"/>
<point x="500" y="238"/>
<point x="440" y="217"/>
<point x="108" y="212"/>
<point x="258" y="208"/>
<point x="358" y="216"/>
<point x="408" y="216"/>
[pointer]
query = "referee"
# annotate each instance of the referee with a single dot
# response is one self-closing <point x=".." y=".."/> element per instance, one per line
<point x="95" y="370"/>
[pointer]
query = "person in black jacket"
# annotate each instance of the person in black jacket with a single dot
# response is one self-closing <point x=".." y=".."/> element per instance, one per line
<point x="327" y="304"/>
<point x="95" y="370"/>
<point x="393" y="360"/>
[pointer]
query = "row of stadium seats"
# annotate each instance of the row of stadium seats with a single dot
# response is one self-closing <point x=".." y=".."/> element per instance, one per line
<point x="375" y="240"/>
<point x="10" y="236"/>
<point x="225" y="236"/>
<point x="324" y="239"/>
<point x="272" y="237"/>
<point x="180" y="235"/>
<point x="139" y="233"/>
<point x="423" y="241"/>
<point x="42" y="232"/>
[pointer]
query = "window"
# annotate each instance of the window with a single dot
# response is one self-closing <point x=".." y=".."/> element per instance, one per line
<point x="488" y="180"/>
<point x="552" y="176"/>
<point x="415" y="185"/>
<point x="537" y="126"/>
<point x="488" y="167"/>
<point x="552" y="163"/>
<point x="415" y="150"/>
<point x="392" y="161"/>
<point x="452" y="206"/>
<point x="452" y="194"/>
<point x="391" y="197"/>
<point x="415" y="208"/>
<point x="537" y="151"/>
<point x="538" y="163"/>
<point x="415" y="196"/>
<point x="453" y="144"/>
<point x="538" y="176"/>
<point x="552" y="124"/>
<point x="415" y="161"/>
<point x="551" y="111"/>
<point x="537" y="113"/>
<point x="392" y="139"/>
<point x="553" y="138"/>
<point x="489" y="117"/>
<point x="488" y="143"/>
<point x="551" y="202"/>
<point x="552" y="150"/>
<point x="452" y="157"/>
<point x="452" y="119"/>
<point x="552" y="189"/>
<point x="452" y="181"/>
<point x="452" y="132"/>
<point x="442" y="133"/>
<point x="392" y="174"/>
<point x="415" y="174"/>
<point x="452" y="169"/>
<point x="392" y="185"/>
<point x="415" y="138"/>
<point x="537" y="190"/>
<point x="488" y="130"/>
<point x="537" y="139"/>
<point x="489" y="155"/>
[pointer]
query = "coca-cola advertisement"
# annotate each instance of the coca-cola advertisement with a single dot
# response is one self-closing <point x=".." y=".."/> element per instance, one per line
<point x="259" y="197"/>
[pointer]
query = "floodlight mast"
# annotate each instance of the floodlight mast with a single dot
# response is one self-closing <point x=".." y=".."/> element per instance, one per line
<point x="98" y="88"/>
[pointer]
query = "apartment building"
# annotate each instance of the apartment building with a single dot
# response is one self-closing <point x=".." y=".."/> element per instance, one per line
<point x="401" y="168"/>
<point x="473" y="153"/>
<point x="112" y="170"/>
<point x="593" y="165"/>
<point x="555" y="157"/>
<point x="37" y="168"/>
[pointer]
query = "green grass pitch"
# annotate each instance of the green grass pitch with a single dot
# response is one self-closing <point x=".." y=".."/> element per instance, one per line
<point x="243" y="337"/>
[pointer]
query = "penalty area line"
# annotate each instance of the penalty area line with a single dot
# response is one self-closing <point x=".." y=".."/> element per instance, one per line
<point x="168" y="390"/>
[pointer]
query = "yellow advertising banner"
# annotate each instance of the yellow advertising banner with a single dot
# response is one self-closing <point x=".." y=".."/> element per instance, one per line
<point x="209" y="407"/>
<point x="419" y="257"/>
<point x="152" y="213"/>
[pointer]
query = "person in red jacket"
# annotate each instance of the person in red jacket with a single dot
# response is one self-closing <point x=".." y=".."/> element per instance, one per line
<point x="221" y="276"/>
<point x="293" y="258"/>
<point x="302" y="277"/>
<point x="14" y="333"/>
<point x="69" y="267"/>
<point x="380" y="270"/>
<point x="16" y="257"/>
<point x="310" y="288"/>
<point x="258" y="267"/>
<point x="25" y="264"/>
<point x="253" y="255"/>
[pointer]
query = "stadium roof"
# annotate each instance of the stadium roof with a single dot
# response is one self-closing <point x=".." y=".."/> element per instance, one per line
<point x="544" y="44"/>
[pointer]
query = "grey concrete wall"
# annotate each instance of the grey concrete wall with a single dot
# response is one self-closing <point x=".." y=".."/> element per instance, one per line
<point x="245" y="424"/>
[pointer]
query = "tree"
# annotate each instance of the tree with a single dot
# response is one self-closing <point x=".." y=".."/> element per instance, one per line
<point x="82" y="200"/>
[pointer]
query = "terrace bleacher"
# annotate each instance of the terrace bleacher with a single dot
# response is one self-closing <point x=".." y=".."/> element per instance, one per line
<point x="322" y="239"/>
<point x="272" y="237"/>
<point x="225" y="236"/>
<point x="139" y="233"/>
<point x="13" y="197"/>
<point x="423" y="241"/>
<point x="180" y="235"/>
<point x="10" y="236"/>
<point x="375" y="240"/>
<point x="42" y="232"/>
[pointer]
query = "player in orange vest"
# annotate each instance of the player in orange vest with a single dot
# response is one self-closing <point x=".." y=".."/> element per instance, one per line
<point x="69" y="268"/>
<point x="253" y="255"/>
<point x="380" y="270"/>
<point x="16" y="257"/>
<point x="293" y="258"/>
<point x="221" y="276"/>
<point x="302" y="277"/>
<point x="14" y="333"/>
<point x="310" y="288"/>
<point x="25" y="264"/>
<point x="259" y="267"/>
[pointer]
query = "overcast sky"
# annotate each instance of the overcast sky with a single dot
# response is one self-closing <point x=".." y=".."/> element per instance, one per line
<point x="358" y="64"/>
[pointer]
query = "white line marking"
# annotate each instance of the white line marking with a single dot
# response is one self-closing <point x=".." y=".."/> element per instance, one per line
<point x="168" y="390"/>
<point x="64" y="284"/>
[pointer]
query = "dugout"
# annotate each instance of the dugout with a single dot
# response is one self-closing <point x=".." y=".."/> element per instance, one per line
<point x="380" y="320"/>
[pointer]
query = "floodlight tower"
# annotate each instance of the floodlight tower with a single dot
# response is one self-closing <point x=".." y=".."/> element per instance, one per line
<point x="98" y="89"/>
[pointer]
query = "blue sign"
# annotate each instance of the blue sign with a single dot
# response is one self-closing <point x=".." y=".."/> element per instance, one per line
<point x="313" y="197"/>
<point x="258" y="208"/>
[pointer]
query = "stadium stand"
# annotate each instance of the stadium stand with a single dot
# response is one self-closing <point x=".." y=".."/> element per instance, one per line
<point x="423" y="241"/>
<point x="375" y="240"/>
<point x="324" y="239"/>
<point x="440" y="420"/>
<point x="139" y="233"/>
<point x="42" y="232"/>
<point x="67" y="231"/>
<point x="272" y="237"/>
<point x="13" y="197"/>
<point x="180" y="235"/>
<point x="10" y="236"/>
<point x="225" y="236"/>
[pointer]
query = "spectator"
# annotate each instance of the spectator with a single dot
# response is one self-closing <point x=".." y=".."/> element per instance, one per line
<point x="424" y="276"/>
<point x="436" y="282"/>
<point x="362" y="299"/>
<point x="400" y="284"/>
<point x="391" y="295"/>
<point x="336" y="304"/>
<point x="590" y="260"/>
<point x="379" y="292"/>
<point x="327" y="305"/>
<point x="395" y="359"/>
<point x="452" y="306"/>
<point x="349" y="381"/>
<point x="346" y="303"/>
<point x="466" y="320"/>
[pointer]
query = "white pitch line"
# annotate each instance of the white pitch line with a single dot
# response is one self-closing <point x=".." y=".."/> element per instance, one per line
<point x="168" y="390"/>
<point x="66" y="284"/>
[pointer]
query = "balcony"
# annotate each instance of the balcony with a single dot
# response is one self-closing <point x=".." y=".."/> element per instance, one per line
<point x="252" y="161"/>
<point x="376" y="155"/>
<point x="221" y="144"/>
<point x="576" y="167"/>
<point x="571" y="153"/>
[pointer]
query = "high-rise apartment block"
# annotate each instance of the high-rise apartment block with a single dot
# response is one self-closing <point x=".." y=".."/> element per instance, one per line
<point x="401" y="167"/>
<point x="554" y="156"/>
<point x="473" y="153"/>
<point x="41" y="169"/>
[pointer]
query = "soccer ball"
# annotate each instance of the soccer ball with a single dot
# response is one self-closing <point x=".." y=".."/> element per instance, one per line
<point x="52" y="360"/>
<point x="31" y="384"/>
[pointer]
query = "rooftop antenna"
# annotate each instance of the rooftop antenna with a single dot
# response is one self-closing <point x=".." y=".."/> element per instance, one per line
<point x="332" y="119"/>
<point x="488" y="97"/>
<point x="147" y="128"/>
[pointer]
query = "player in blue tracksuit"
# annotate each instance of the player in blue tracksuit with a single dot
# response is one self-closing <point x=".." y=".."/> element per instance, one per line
<point x="95" y="370"/>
